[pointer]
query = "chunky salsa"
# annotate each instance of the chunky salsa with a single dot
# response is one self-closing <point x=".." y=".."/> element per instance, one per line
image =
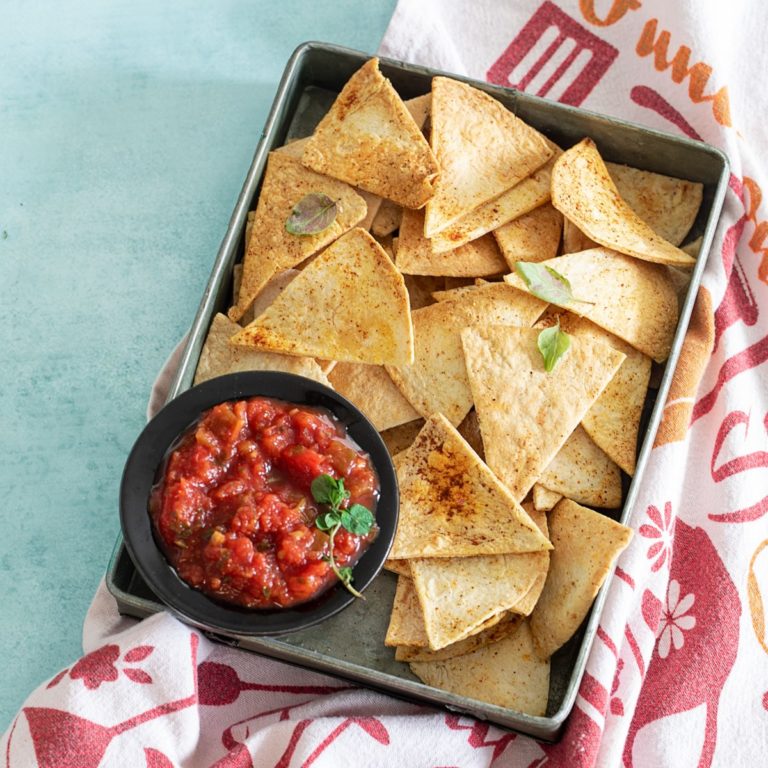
<point x="234" y="510"/>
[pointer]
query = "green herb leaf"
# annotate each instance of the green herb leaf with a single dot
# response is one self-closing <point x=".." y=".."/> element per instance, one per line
<point x="553" y="344"/>
<point x="323" y="488"/>
<point x="357" y="519"/>
<point x="345" y="575"/>
<point x="544" y="282"/>
<point x="312" y="214"/>
<point x="327" y="520"/>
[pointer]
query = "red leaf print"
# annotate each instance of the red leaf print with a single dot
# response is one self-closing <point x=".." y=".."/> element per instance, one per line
<point x="56" y="680"/>
<point x="373" y="727"/>
<point x="139" y="653"/>
<point x="156" y="759"/>
<point x="97" y="667"/>
<point x="649" y="531"/>
<point x="137" y="675"/>
<point x="617" y="708"/>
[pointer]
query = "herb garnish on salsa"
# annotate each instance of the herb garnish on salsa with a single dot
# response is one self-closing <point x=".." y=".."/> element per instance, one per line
<point x="235" y="509"/>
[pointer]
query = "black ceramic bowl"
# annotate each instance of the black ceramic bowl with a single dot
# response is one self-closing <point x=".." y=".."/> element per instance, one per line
<point x="148" y="453"/>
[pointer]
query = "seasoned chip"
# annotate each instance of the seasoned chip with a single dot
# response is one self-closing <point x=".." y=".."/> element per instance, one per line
<point x="527" y="603"/>
<point x="419" y="107"/>
<point x="586" y="545"/>
<point x="508" y="674"/>
<point x="533" y="237"/>
<point x="543" y="499"/>
<point x="349" y="304"/>
<point x="437" y="380"/>
<point x="452" y="505"/>
<point x="397" y="439"/>
<point x="219" y="357"/>
<point x="400" y="567"/>
<point x="371" y="389"/>
<point x="369" y="139"/>
<point x="666" y="204"/>
<point x="271" y="248"/>
<point x="526" y="413"/>
<point x="584" y="473"/>
<point x="482" y="148"/>
<point x="387" y="219"/>
<point x="271" y="290"/>
<point x="415" y="255"/>
<point x="406" y="624"/>
<point x="628" y="297"/>
<point x="574" y="240"/>
<point x="580" y="174"/>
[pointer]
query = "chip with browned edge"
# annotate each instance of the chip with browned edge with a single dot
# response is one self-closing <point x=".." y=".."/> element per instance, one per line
<point x="533" y="237"/>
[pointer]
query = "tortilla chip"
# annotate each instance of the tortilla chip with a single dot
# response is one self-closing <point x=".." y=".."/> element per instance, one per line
<point x="420" y="289"/>
<point x="533" y="237"/>
<point x="387" y="219"/>
<point x="469" y="429"/>
<point x="437" y="382"/>
<point x="272" y="248"/>
<point x="398" y="439"/>
<point x="482" y="149"/>
<point x="219" y="357"/>
<point x="543" y="499"/>
<point x="369" y="139"/>
<point x="294" y="148"/>
<point x="415" y="255"/>
<point x="449" y="283"/>
<point x="529" y="194"/>
<point x="371" y="389"/>
<point x="419" y="107"/>
<point x="507" y="674"/>
<point x="526" y="414"/>
<point x="630" y="298"/>
<point x="504" y="627"/>
<point x="666" y="204"/>
<point x="586" y="545"/>
<point x="580" y="174"/>
<point x="349" y="304"/>
<point x="373" y="204"/>
<point x="583" y="472"/>
<point x="237" y="279"/>
<point x="574" y="240"/>
<point x="271" y="290"/>
<point x="452" y="505"/>
<point x="527" y="603"/>
<point x="406" y="625"/>
<point x="693" y="248"/>
<point x="400" y="567"/>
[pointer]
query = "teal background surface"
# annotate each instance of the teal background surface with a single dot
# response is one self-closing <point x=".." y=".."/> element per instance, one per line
<point x="127" y="129"/>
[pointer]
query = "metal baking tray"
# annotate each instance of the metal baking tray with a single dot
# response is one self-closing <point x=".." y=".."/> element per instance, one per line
<point x="314" y="75"/>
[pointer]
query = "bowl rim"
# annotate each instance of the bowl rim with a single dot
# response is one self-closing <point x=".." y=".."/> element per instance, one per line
<point x="148" y="452"/>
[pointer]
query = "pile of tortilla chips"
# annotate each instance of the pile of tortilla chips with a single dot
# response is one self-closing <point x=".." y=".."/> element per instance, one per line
<point x="409" y="303"/>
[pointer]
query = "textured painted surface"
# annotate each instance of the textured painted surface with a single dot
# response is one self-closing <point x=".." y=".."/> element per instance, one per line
<point x="127" y="128"/>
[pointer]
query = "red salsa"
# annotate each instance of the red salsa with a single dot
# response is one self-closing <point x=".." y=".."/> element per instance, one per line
<point x="234" y="510"/>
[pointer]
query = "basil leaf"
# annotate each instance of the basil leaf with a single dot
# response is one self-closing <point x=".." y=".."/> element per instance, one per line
<point x="544" y="282"/>
<point x="326" y="520"/>
<point x="553" y="344"/>
<point x="312" y="214"/>
<point x="323" y="488"/>
<point x="357" y="519"/>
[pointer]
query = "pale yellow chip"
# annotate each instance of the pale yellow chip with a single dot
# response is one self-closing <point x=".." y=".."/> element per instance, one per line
<point x="437" y="380"/>
<point x="482" y="148"/>
<point x="271" y="248"/>
<point x="415" y="255"/>
<point x="693" y="248"/>
<point x="370" y="139"/>
<point x="580" y="175"/>
<point x="583" y="472"/>
<point x="666" y="204"/>
<point x="219" y="357"/>
<point x="387" y="219"/>
<point x="524" y="197"/>
<point x="406" y="624"/>
<point x="532" y="237"/>
<point x="507" y="674"/>
<point x="543" y="499"/>
<point x="574" y="240"/>
<point x="526" y="414"/>
<point x="419" y="107"/>
<point x="294" y="148"/>
<point x="271" y="290"/>
<point x="371" y="389"/>
<point x="586" y="545"/>
<point x="373" y="204"/>
<point x="506" y="625"/>
<point x="400" y="567"/>
<point x="349" y="304"/>
<point x="527" y="603"/>
<point x="630" y="298"/>
<point x="452" y="505"/>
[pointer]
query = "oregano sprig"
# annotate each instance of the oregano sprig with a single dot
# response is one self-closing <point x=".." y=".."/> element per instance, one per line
<point x="356" y="519"/>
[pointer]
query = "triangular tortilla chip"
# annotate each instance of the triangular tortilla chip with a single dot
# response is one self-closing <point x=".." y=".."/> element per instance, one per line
<point x="419" y="107"/>
<point x="482" y="148"/>
<point x="387" y="219"/>
<point x="420" y="289"/>
<point x="271" y="290"/>
<point x="580" y="174"/>
<point x="398" y="439"/>
<point x="406" y="624"/>
<point x="628" y="297"/>
<point x="533" y="237"/>
<point x="543" y="499"/>
<point x="586" y="545"/>
<point x="584" y="473"/>
<point x="452" y="505"/>
<point x="506" y="625"/>
<point x="349" y="304"/>
<point x="369" y="139"/>
<point x="526" y="414"/>
<point x="522" y="198"/>
<point x="271" y="248"/>
<point x="415" y="255"/>
<point x="219" y="357"/>
<point x="506" y="674"/>
<point x="527" y="603"/>
<point x="436" y="382"/>
<point x="400" y="567"/>
<point x="371" y="389"/>
<point x="613" y="421"/>
<point x="574" y="240"/>
<point x="666" y="204"/>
